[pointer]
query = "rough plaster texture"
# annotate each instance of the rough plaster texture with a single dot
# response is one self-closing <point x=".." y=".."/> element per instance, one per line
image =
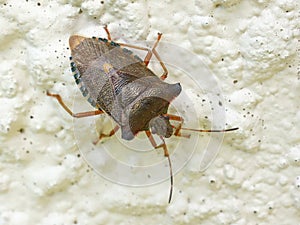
<point x="252" y="48"/>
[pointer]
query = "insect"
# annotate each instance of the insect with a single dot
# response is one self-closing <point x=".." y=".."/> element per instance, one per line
<point x="118" y="83"/>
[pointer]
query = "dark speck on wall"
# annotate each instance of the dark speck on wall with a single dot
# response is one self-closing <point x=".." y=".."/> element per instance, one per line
<point x="21" y="130"/>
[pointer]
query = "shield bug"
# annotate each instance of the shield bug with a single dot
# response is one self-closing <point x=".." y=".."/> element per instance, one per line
<point x="118" y="83"/>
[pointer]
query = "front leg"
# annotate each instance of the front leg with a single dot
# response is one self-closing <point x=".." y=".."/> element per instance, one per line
<point x="111" y="133"/>
<point x="177" y="131"/>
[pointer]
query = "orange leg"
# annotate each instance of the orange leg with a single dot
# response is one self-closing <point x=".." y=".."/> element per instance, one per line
<point x="166" y="154"/>
<point x="165" y="73"/>
<point x="107" y="32"/>
<point x="76" y="115"/>
<point x="111" y="133"/>
<point x="179" y="127"/>
<point x="149" y="54"/>
<point x="84" y="114"/>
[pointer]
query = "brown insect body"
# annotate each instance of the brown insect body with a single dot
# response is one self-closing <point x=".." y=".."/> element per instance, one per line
<point x="118" y="82"/>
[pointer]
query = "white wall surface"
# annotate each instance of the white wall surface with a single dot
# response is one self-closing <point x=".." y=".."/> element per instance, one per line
<point x="252" y="51"/>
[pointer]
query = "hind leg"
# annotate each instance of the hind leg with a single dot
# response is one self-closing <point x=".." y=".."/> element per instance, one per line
<point x="150" y="52"/>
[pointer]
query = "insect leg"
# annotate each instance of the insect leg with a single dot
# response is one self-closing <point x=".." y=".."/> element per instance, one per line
<point x="107" y="32"/>
<point x="111" y="133"/>
<point x="128" y="45"/>
<point x="76" y="115"/>
<point x="166" y="154"/>
<point x="179" y="127"/>
<point x="165" y="73"/>
<point x="139" y="48"/>
<point x="149" y="54"/>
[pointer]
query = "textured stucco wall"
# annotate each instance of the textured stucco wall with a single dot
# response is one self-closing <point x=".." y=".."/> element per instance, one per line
<point x="252" y="48"/>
